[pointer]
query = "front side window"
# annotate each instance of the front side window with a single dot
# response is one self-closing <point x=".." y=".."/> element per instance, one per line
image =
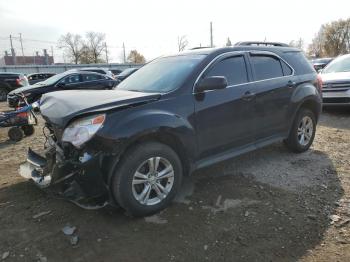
<point x="266" y="67"/>
<point x="72" y="79"/>
<point x="233" y="68"/>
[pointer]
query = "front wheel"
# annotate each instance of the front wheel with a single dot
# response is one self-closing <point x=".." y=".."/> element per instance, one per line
<point x="303" y="131"/>
<point x="147" y="178"/>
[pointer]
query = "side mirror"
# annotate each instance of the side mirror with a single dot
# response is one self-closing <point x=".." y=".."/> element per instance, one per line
<point x="61" y="84"/>
<point x="211" y="83"/>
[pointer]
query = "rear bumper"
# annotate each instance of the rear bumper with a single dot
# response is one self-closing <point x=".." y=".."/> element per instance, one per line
<point x="80" y="183"/>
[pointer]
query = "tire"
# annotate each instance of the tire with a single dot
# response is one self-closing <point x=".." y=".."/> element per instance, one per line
<point x="140" y="158"/>
<point x="3" y="94"/>
<point x="15" y="134"/>
<point x="28" y="130"/>
<point x="303" y="131"/>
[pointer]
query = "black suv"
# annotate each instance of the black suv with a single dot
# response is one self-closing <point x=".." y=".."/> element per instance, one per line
<point x="131" y="146"/>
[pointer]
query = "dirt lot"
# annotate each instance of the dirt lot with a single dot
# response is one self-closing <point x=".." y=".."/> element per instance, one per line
<point x="269" y="205"/>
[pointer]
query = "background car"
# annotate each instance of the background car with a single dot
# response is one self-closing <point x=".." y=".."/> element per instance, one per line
<point x="336" y="81"/>
<point x="125" y="74"/>
<point x="38" y="77"/>
<point x="99" y="70"/>
<point x="9" y="82"/>
<point x="66" y="81"/>
<point x="116" y="71"/>
<point x="321" y="63"/>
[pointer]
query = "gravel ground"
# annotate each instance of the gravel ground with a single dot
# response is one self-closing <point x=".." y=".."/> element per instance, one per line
<point x="268" y="205"/>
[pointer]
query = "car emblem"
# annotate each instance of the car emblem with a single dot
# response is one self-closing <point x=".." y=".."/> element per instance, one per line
<point x="330" y="85"/>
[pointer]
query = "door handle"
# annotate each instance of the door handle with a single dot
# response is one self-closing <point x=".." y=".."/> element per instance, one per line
<point x="291" y="84"/>
<point x="248" y="96"/>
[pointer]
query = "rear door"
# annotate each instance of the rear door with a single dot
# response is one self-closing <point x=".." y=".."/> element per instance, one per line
<point x="274" y="83"/>
<point x="93" y="81"/>
<point x="224" y="118"/>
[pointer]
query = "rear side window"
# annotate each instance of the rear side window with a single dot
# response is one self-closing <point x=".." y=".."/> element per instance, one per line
<point x="299" y="62"/>
<point x="266" y="67"/>
<point x="91" y="77"/>
<point x="233" y="68"/>
<point x="287" y="71"/>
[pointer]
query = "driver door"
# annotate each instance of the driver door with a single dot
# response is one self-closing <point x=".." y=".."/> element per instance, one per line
<point x="225" y="117"/>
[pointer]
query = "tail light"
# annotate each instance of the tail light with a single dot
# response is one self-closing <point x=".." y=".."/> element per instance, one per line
<point x="18" y="81"/>
<point x="319" y="82"/>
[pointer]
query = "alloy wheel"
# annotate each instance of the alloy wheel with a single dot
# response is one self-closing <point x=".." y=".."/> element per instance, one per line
<point x="305" y="130"/>
<point x="153" y="181"/>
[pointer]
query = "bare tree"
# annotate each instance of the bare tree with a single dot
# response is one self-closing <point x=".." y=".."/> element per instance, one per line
<point x="95" y="45"/>
<point x="182" y="43"/>
<point x="332" y="39"/>
<point x="72" y="45"/>
<point x="136" y="57"/>
<point x="298" y="43"/>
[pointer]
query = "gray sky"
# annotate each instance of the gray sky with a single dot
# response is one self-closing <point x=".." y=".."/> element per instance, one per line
<point x="152" y="26"/>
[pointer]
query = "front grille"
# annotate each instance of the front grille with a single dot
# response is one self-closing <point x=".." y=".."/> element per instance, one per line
<point x="336" y="86"/>
<point x="336" y="100"/>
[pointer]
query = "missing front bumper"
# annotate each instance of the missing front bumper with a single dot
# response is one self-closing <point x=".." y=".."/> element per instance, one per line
<point x="81" y="184"/>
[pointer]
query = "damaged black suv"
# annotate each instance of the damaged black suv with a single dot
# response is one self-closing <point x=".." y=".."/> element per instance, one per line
<point x="131" y="146"/>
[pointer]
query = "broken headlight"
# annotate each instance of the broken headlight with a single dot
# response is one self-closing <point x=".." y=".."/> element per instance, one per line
<point x="82" y="130"/>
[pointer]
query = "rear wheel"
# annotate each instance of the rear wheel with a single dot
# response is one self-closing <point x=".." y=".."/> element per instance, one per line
<point x="147" y="179"/>
<point x="15" y="134"/>
<point x="303" y="131"/>
<point x="28" y="130"/>
<point x="3" y="94"/>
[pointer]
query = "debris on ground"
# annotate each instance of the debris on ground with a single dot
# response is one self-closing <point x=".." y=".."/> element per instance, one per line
<point x="41" y="214"/>
<point x="334" y="218"/>
<point x="5" y="255"/>
<point x="68" y="230"/>
<point x="74" y="240"/>
<point x="156" y="219"/>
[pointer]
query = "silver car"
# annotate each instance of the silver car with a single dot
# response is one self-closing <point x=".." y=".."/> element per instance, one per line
<point x="336" y="81"/>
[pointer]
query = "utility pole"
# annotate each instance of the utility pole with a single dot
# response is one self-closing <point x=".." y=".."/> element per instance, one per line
<point x="52" y="53"/>
<point x="12" y="51"/>
<point x="124" y="53"/>
<point x="20" y="39"/>
<point x="106" y="52"/>
<point x="211" y="35"/>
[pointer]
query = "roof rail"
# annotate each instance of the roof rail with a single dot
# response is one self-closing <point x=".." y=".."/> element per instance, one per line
<point x="259" y="43"/>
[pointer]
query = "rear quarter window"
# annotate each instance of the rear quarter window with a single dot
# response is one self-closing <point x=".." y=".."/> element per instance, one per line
<point x="299" y="62"/>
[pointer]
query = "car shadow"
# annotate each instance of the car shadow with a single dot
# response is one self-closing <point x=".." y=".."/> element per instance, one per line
<point x="268" y="205"/>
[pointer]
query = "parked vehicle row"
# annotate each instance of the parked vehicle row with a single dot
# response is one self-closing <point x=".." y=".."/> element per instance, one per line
<point x="66" y="81"/>
<point x="132" y="146"/>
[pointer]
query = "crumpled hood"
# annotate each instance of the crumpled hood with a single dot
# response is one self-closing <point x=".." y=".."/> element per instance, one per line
<point x="336" y="77"/>
<point x="60" y="107"/>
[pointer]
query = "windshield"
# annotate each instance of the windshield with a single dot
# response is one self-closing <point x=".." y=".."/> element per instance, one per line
<point x="162" y="75"/>
<point x="51" y="80"/>
<point x="340" y="64"/>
